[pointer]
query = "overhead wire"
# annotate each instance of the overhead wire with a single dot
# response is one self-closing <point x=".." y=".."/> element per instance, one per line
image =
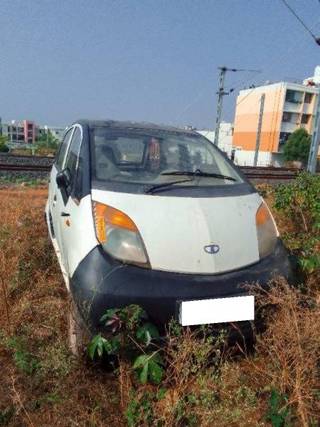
<point x="316" y="39"/>
<point x="292" y="48"/>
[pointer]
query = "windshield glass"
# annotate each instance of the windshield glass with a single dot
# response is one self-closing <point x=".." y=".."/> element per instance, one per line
<point x="146" y="157"/>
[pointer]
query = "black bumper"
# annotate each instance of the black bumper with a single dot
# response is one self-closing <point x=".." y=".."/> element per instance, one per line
<point x="100" y="283"/>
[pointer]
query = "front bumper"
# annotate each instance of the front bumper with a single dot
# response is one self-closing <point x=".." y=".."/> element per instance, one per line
<point x="100" y="283"/>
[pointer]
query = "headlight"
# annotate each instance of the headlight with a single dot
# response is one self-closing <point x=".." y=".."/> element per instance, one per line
<point x="267" y="232"/>
<point x="118" y="235"/>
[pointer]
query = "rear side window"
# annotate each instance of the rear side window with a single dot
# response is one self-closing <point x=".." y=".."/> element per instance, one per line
<point x="63" y="149"/>
<point x="72" y="159"/>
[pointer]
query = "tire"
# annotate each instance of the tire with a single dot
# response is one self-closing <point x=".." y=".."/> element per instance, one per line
<point x="78" y="334"/>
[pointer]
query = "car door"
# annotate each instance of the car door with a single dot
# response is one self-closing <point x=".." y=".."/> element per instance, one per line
<point x="76" y="225"/>
<point x="55" y="196"/>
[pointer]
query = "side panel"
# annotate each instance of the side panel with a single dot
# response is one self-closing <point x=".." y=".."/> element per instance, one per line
<point x="77" y="232"/>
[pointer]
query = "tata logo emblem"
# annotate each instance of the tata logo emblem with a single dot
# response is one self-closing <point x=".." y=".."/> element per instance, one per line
<point x="212" y="249"/>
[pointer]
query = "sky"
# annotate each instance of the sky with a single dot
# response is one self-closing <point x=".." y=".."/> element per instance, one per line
<point x="146" y="60"/>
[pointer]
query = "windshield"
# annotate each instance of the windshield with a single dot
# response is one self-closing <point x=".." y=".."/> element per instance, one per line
<point x="147" y="157"/>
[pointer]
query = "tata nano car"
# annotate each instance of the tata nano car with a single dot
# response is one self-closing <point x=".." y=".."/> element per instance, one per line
<point x="159" y="217"/>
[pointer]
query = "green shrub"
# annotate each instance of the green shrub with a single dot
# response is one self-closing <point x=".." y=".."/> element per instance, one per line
<point x="300" y="202"/>
<point x="297" y="147"/>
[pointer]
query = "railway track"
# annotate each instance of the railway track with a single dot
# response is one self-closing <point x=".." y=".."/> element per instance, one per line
<point x="24" y="168"/>
<point x="252" y="173"/>
<point x="267" y="173"/>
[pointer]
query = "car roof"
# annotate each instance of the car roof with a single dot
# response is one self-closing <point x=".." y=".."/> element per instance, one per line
<point x="117" y="124"/>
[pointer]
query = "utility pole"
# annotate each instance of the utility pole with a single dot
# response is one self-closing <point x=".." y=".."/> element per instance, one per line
<point x="314" y="147"/>
<point x="256" y="153"/>
<point x="221" y="93"/>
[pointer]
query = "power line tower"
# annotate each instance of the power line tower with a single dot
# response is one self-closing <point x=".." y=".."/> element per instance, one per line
<point x="221" y="93"/>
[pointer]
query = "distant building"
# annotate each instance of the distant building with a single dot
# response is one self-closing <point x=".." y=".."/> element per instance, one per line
<point x="287" y="107"/>
<point x="23" y="132"/>
<point x="225" y="136"/>
<point x="27" y="132"/>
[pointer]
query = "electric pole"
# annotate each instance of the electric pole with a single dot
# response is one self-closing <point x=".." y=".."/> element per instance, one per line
<point x="221" y="93"/>
<point x="314" y="147"/>
<point x="256" y="153"/>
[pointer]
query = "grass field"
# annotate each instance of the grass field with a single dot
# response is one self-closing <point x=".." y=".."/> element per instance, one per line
<point x="42" y="384"/>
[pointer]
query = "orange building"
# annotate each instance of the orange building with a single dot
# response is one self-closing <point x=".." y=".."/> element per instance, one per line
<point x="287" y="107"/>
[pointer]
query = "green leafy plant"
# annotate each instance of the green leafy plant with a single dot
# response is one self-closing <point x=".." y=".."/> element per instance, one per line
<point x="24" y="360"/>
<point x="298" y="145"/>
<point x="147" y="332"/>
<point x="300" y="202"/>
<point x="129" y="335"/>
<point x="100" y="345"/>
<point x="149" y="367"/>
<point x="3" y="144"/>
<point x="278" y="413"/>
<point x="46" y="143"/>
<point x="140" y="410"/>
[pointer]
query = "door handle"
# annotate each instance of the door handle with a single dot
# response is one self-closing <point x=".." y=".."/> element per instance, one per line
<point x="54" y="200"/>
<point x="65" y="214"/>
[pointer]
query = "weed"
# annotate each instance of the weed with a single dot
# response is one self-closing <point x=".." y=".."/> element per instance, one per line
<point x="290" y="347"/>
<point x="131" y="336"/>
<point x="24" y="360"/>
<point x="278" y="411"/>
<point x="140" y="410"/>
<point x="200" y="384"/>
<point x="6" y="415"/>
<point x="300" y="202"/>
<point x="55" y="360"/>
<point x="149" y="367"/>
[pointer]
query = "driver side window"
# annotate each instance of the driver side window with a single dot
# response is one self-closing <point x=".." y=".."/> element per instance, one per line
<point x="73" y="158"/>
<point x="63" y="149"/>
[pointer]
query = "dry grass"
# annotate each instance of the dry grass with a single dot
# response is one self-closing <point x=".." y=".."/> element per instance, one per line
<point x="290" y="347"/>
<point x="40" y="383"/>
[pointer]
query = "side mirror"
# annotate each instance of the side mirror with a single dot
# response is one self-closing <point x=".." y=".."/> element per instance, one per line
<point x="63" y="179"/>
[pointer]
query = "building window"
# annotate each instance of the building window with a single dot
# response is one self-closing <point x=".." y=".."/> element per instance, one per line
<point x="286" y="117"/>
<point x="284" y="137"/>
<point x="305" y="119"/>
<point x="294" y="96"/>
<point x="308" y="98"/>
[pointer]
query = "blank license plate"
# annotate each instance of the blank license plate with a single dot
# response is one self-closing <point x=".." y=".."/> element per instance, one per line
<point x="217" y="310"/>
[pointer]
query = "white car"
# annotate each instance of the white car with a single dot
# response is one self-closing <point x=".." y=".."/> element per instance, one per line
<point x="159" y="217"/>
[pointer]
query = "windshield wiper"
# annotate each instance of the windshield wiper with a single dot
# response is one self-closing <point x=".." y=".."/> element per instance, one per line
<point x="164" y="185"/>
<point x="198" y="172"/>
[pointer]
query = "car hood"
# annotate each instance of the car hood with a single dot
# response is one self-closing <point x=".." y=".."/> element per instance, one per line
<point x="192" y="235"/>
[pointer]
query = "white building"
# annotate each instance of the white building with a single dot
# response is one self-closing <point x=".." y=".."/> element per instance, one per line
<point x="225" y="136"/>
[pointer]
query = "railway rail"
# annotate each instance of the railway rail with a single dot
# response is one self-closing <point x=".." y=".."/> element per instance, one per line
<point x="27" y="168"/>
<point x="261" y="174"/>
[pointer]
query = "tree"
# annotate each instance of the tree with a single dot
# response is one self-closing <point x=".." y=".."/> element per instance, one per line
<point x="3" y="144"/>
<point x="46" y="144"/>
<point x="47" y="140"/>
<point x="297" y="147"/>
